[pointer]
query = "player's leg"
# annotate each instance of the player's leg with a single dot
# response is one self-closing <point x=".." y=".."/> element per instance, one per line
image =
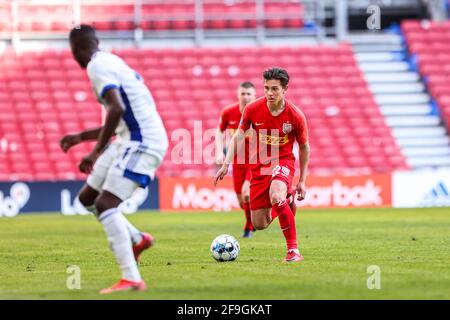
<point x="290" y="198"/>
<point x="278" y="192"/>
<point x="87" y="196"/>
<point x="245" y="198"/>
<point x="260" y="202"/>
<point x="239" y="174"/>
<point x="94" y="185"/>
<point x="95" y="180"/>
<point x="116" y="189"/>
<point x="261" y="218"/>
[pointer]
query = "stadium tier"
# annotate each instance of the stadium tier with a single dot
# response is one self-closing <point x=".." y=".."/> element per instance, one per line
<point x="429" y="42"/>
<point x="44" y="95"/>
<point x="155" y="15"/>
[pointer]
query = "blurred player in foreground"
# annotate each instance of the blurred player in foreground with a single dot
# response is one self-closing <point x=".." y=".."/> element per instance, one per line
<point x="277" y="124"/>
<point x="116" y="170"/>
<point x="229" y="119"/>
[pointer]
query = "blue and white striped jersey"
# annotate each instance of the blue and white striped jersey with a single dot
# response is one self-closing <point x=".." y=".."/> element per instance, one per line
<point x="140" y="121"/>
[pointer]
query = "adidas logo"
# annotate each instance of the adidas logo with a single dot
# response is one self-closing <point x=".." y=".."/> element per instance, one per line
<point x="439" y="195"/>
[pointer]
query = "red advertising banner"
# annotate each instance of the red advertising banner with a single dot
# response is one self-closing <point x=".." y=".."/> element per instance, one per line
<point x="197" y="194"/>
<point x="322" y="192"/>
<point x="348" y="191"/>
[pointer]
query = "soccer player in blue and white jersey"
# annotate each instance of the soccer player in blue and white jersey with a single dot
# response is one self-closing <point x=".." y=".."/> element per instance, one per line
<point x="118" y="168"/>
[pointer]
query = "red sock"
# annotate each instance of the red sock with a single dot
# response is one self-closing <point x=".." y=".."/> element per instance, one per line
<point x="291" y="202"/>
<point x="248" y="218"/>
<point x="287" y="223"/>
<point x="273" y="213"/>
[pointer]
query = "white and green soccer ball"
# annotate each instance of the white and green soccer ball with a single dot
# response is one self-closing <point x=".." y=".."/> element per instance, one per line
<point x="225" y="248"/>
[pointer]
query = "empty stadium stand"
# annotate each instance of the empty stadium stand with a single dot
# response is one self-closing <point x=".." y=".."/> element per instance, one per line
<point x="44" y="95"/>
<point x="38" y="17"/>
<point x="430" y="41"/>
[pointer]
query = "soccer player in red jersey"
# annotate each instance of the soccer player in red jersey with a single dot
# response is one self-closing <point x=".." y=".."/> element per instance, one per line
<point x="277" y="123"/>
<point x="230" y="119"/>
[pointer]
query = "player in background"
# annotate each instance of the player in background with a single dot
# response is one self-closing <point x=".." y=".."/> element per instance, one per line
<point x="229" y="119"/>
<point x="277" y="123"/>
<point x="117" y="169"/>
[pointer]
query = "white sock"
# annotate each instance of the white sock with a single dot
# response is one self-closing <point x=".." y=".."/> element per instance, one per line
<point x="135" y="234"/>
<point x="119" y="239"/>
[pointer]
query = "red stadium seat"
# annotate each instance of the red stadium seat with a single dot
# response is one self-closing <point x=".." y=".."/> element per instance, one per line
<point x="54" y="98"/>
<point x="429" y="40"/>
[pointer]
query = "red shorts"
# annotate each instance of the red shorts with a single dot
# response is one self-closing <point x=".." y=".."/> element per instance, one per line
<point x="241" y="173"/>
<point x="260" y="183"/>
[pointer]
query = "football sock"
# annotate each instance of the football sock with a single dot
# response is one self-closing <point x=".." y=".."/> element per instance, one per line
<point x="291" y="201"/>
<point x="273" y="213"/>
<point x="287" y="223"/>
<point x="135" y="234"/>
<point x="248" y="217"/>
<point x="115" y="226"/>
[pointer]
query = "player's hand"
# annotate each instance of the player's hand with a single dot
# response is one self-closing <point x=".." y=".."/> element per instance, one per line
<point x="301" y="191"/>
<point x="220" y="158"/>
<point x="69" y="141"/>
<point x="87" y="163"/>
<point x="221" y="173"/>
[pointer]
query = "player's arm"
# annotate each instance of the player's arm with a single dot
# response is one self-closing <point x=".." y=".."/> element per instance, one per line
<point x="114" y="114"/>
<point x="304" y="153"/>
<point x="220" y="156"/>
<point x="237" y="143"/>
<point x="70" y="140"/>
<point x="223" y="124"/>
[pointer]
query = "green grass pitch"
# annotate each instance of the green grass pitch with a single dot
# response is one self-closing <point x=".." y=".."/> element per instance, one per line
<point x="410" y="246"/>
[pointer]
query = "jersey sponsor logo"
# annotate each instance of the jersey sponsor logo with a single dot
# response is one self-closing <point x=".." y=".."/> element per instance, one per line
<point x="273" y="140"/>
<point x="287" y="127"/>
<point x="231" y="131"/>
<point x="257" y="124"/>
<point x="233" y="122"/>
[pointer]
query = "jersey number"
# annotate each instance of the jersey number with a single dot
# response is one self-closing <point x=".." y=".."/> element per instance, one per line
<point x="284" y="171"/>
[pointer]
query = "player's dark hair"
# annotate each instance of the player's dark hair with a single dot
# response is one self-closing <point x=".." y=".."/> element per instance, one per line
<point x="83" y="35"/>
<point x="276" y="73"/>
<point x="247" y="85"/>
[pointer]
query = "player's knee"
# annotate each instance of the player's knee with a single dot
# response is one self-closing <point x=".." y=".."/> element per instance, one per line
<point x="259" y="225"/>
<point x="276" y="197"/>
<point x="102" y="204"/>
<point x="105" y="201"/>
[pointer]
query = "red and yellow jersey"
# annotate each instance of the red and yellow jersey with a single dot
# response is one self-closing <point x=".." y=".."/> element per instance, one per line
<point x="273" y="132"/>
<point x="230" y="118"/>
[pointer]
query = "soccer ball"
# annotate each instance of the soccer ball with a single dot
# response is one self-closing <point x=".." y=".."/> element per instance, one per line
<point x="225" y="248"/>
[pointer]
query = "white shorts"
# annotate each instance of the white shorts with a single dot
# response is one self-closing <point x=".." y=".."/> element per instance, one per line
<point x="122" y="168"/>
